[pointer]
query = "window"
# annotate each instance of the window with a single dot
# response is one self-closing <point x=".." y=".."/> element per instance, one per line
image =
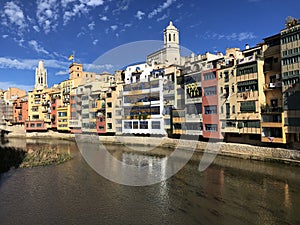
<point x="209" y="76"/>
<point x="109" y="105"/>
<point x="233" y="109"/>
<point x="211" y="127"/>
<point x="194" y="108"/>
<point x="109" y="126"/>
<point x="194" y="126"/>
<point x="128" y="125"/>
<point x="101" y="128"/>
<point x="62" y="114"/>
<point x="143" y="124"/>
<point x="135" y="125"/>
<point x="211" y="109"/>
<point x="109" y="115"/>
<point x="248" y="106"/>
<point x="208" y="91"/>
<point x="32" y="125"/>
<point x="155" y="125"/>
<point x="246" y="70"/>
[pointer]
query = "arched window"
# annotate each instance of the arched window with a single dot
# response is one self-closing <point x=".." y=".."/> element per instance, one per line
<point x="169" y="37"/>
<point x="174" y="37"/>
<point x="41" y="80"/>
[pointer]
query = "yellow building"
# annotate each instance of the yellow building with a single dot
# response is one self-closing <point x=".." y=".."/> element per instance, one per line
<point x="76" y="77"/>
<point x="272" y="123"/>
<point x="250" y="94"/>
<point x="227" y="84"/>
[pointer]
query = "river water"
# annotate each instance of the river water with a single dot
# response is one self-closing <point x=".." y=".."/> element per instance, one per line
<point x="231" y="191"/>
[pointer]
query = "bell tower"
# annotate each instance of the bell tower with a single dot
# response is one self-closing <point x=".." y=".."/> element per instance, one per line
<point x="40" y="76"/>
<point x="171" y="36"/>
<point x="171" y="45"/>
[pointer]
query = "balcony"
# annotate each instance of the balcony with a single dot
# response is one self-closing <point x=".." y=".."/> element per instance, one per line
<point x="251" y="58"/>
<point x="248" y="95"/>
<point x="273" y="140"/>
<point x="74" y="123"/>
<point x="271" y="86"/>
<point x="268" y="109"/>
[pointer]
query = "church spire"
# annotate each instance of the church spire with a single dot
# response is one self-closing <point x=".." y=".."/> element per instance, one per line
<point x="40" y="76"/>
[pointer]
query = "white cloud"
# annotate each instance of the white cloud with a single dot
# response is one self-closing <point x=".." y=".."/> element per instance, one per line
<point x="139" y="14"/>
<point x="160" y="8"/>
<point x="4" y="36"/>
<point x="91" y="25"/>
<point x="47" y="14"/>
<point x="37" y="47"/>
<point x="104" y="18"/>
<point x="36" y="28"/>
<point x="80" y="34"/>
<point x="62" y="72"/>
<point x="95" y="41"/>
<point x="165" y="16"/>
<point x="93" y="3"/>
<point x="19" y="41"/>
<point x="13" y="15"/>
<point x="6" y="85"/>
<point x="80" y="8"/>
<point x="98" y="68"/>
<point x="122" y="5"/>
<point x="127" y="25"/>
<point x="106" y="8"/>
<point x="230" y="37"/>
<point x="179" y="5"/>
<point x="64" y="3"/>
<point x="114" y="27"/>
<point x="30" y="64"/>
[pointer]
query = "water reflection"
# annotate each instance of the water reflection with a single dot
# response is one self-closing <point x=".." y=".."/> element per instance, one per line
<point x="229" y="192"/>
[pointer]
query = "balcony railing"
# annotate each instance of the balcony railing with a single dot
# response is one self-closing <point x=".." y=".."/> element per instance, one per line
<point x="268" y="109"/>
<point x="246" y="59"/>
<point x="270" y="86"/>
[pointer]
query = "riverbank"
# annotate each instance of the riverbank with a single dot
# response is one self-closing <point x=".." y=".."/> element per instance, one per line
<point x="244" y="151"/>
<point x="20" y="158"/>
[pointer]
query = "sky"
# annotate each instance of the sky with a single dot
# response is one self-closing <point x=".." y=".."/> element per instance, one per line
<point x="51" y="30"/>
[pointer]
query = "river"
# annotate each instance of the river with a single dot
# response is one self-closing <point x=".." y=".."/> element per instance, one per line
<point x="231" y="191"/>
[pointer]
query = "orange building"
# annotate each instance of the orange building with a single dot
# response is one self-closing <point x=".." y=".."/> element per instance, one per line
<point x="20" y="110"/>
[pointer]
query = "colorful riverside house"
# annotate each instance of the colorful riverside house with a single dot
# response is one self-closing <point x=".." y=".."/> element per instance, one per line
<point x="20" y="110"/>
<point x="192" y="68"/>
<point x="250" y="94"/>
<point x="119" y="78"/>
<point x="227" y="93"/>
<point x="64" y="112"/>
<point x="272" y="116"/>
<point x="39" y="111"/>
<point x="290" y="70"/>
<point x="63" y="109"/>
<point x="173" y="99"/>
<point x="210" y="101"/>
<point x="143" y="101"/>
<point x="75" y="111"/>
<point x="55" y="100"/>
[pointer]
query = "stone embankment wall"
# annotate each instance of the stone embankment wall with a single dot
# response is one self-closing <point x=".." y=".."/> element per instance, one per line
<point x="221" y="148"/>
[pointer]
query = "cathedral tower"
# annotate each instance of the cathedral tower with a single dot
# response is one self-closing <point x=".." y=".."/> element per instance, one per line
<point x="40" y="76"/>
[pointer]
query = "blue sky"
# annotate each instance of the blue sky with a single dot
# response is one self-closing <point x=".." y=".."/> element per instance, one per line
<point x="51" y="30"/>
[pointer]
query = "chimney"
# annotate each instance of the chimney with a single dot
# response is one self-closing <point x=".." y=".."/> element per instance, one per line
<point x="247" y="46"/>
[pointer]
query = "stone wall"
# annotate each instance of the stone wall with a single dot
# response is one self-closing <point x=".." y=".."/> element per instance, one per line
<point x="222" y="148"/>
